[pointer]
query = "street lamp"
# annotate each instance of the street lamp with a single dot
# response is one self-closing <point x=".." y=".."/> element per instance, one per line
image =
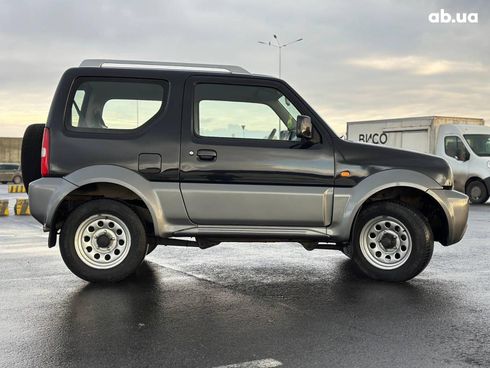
<point x="279" y="47"/>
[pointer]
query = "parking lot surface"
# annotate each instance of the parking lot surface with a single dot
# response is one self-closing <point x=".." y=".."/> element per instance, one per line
<point x="243" y="305"/>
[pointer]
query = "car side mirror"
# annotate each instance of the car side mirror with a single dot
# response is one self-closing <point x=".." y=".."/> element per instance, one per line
<point x="304" y="127"/>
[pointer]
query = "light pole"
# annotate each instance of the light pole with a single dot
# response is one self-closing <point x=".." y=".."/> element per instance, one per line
<point x="279" y="47"/>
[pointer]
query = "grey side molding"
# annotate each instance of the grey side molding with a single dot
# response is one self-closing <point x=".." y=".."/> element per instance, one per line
<point x="163" y="199"/>
<point x="45" y="195"/>
<point x="348" y="201"/>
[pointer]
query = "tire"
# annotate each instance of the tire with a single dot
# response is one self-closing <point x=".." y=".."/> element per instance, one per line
<point x="30" y="158"/>
<point x="477" y="191"/>
<point x="391" y="242"/>
<point x="120" y="250"/>
<point x="17" y="179"/>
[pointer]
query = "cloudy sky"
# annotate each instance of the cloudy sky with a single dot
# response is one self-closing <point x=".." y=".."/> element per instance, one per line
<point x="358" y="60"/>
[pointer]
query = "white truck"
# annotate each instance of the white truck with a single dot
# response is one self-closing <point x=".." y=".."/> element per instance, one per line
<point x="463" y="142"/>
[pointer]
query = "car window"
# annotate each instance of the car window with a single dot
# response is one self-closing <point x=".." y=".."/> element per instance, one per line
<point x="454" y="147"/>
<point x="121" y="114"/>
<point x="8" y="167"/>
<point x="76" y="106"/>
<point x="116" y="104"/>
<point x="479" y="143"/>
<point x="249" y="112"/>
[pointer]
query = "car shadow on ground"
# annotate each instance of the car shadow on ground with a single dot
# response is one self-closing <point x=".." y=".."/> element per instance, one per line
<point x="176" y="317"/>
<point x="145" y="293"/>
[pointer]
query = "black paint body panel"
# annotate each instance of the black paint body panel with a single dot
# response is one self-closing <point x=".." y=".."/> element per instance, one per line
<point x="71" y="150"/>
<point x="363" y="160"/>
<point x="243" y="161"/>
<point x="256" y="161"/>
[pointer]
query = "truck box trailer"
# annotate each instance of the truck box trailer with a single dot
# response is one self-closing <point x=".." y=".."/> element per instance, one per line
<point x="463" y="142"/>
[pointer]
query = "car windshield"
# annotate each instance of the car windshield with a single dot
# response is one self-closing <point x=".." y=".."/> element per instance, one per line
<point x="9" y="167"/>
<point x="479" y="143"/>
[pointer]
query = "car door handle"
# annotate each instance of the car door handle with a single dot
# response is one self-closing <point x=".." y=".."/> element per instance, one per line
<point x="207" y="155"/>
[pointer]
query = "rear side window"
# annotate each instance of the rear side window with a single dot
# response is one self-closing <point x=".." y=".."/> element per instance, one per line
<point x="124" y="104"/>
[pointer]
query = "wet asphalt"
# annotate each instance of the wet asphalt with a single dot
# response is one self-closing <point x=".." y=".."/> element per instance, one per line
<point x="275" y="305"/>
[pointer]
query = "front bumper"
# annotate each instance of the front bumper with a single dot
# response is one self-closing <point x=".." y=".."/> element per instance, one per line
<point x="45" y="195"/>
<point x="456" y="208"/>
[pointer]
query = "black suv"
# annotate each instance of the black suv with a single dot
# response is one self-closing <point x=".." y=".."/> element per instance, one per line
<point x="136" y="154"/>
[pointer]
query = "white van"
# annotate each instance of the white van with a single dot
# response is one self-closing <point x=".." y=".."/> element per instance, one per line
<point x="463" y="142"/>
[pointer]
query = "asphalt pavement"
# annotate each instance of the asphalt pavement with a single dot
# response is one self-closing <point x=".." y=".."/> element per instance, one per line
<point x="243" y="305"/>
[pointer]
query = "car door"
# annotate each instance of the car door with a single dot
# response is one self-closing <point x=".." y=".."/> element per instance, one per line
<point x="241" y="163"/>
<point x="457" y="156"/>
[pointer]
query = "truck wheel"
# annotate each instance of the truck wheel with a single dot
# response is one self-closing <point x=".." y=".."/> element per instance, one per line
<point x="391" y="242"/>
<point x="477" y="191"/>
<point x="103" y="241"/>
<point x="17" y="179"/>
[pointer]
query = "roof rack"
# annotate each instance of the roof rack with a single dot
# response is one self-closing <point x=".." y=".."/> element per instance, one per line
<point x="110" y="63"/>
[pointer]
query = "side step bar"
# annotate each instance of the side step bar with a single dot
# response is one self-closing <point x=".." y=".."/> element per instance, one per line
<point x="309" y="246"/>
<point x="198" y="243"/>
<point x="208" y="243"/>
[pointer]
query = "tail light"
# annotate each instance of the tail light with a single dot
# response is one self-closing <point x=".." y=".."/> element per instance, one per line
<point x="45" y="153"/>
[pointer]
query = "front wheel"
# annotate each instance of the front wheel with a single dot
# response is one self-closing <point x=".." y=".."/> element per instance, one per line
<point x="391" y="242"/>
<point x="103" y="241"/>
<point x="477" y="191"/>
<point x="17" y="179"/>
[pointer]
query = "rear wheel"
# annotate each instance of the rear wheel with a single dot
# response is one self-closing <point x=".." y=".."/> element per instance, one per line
<point x="391" y="242"/>
<point x="103" y="241"/>
<point x="477" y="191"/>
<point x="17" y="179"/>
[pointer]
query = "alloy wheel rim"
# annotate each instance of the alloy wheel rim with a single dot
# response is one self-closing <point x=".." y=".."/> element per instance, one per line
<point x="102" y="241"/>
<point x="385" y="242"/>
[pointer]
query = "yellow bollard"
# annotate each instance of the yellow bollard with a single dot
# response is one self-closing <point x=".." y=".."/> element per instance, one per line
<point x="4" y="207"/>
<point x="16" y="188"/>
<point x="22" y="207"/>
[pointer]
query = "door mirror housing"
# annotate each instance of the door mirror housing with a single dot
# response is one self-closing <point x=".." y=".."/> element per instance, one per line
<point x="304" y="127"/>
